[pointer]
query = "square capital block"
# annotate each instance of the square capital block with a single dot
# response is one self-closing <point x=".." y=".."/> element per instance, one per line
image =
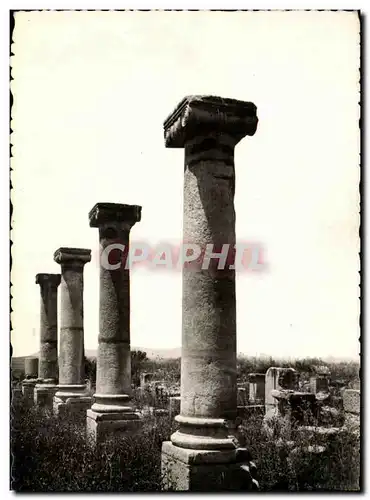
<point x="48" y="279"/>
<point x="67" y="255"/>
<point x="103" y="213"/>
<point x="200" y="115"/>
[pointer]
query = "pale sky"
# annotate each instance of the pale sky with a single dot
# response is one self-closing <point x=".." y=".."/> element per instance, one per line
<point x="92" y="90"/>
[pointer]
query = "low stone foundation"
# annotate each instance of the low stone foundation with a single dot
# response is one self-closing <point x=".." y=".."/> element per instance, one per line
<point x="28" y="389"/>
<point x="44" y="394"/>
<point x="207" y="471"/>
<point x="103" y="427"/>
<point x="76" y="406"/>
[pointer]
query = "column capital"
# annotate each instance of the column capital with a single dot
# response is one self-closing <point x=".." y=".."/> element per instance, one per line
<point x="202" y="115"/>
<point x="65" y="255"/>
<point x="103" y="213"/>
<point x="46" y="278"/>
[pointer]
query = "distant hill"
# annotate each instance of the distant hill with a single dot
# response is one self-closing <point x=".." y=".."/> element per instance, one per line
<point x="18" y="361"/>
<point x="174" y="352"/>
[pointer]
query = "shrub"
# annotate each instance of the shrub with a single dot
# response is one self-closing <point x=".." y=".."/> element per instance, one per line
<point x="335" y="469"/>
<point x="52" y="455"/>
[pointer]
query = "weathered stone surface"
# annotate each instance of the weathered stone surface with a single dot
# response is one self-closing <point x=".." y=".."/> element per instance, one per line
<point x="76" y="406"/>
<point x="48" y="326"/>
<point x="199" y="115"/>
<point x="113" y="382"/>
<point x="175" y="403"/>
<point x="257" y="387"/>
<point x="71" y="355"/>
<point x="279" y="379"/>
<point x="44" y="394"/>
<point x="352" y="401"/>
<point x="242" y="396"/>
<point x="185" y="470"/>
<point x="294" y="409"/>
<point x="101" y="427"/>
<point x="319" y="383"/>
<point x="31" y="367"/>
<point x="28" y="388"/>
<point x="208" y="128"/>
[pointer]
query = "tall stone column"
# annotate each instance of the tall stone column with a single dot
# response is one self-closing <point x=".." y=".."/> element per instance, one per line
<point x="48" y="358"/>
<point x="202" y="455"/>
<point x="112" y="412"/>
<point x="71" y="396"/>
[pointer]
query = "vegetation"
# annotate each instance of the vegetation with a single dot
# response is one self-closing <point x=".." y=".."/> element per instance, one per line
<point x="50" y="454"/>
<point x="53" y="455"/>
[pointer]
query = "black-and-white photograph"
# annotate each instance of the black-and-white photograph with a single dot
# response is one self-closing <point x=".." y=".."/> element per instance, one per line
<point x="185" y="267"/>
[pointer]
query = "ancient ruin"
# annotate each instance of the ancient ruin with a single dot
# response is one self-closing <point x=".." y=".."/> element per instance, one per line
<point x="112" y="412"/>
<point x="71" y="394"/>
<point x="203" y="454"/>
<point x="46" y="387"/>
<point x="31" y="370"/>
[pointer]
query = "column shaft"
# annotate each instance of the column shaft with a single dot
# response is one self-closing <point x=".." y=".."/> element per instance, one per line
<point x="208" y="382"/>
<point x="203" y="454"/>
<point x="112" y="411"/>
<point x="114" y="356"/>
<point x="71" y="355"/>
<point x="48" y="326"/>
<point x="48" y="358"/>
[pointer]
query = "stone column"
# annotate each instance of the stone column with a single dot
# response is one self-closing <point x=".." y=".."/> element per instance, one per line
<point x="257" y="388"/>
<point x="71" y="396"/>
<point x="202" y="455"/>
<point x="112" y="412"/>
<point x="31" y="370"/>
<point x="48" y="358"/>
<point x="31" y="367"/>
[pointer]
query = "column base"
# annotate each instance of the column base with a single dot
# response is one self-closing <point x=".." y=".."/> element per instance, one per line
<point x="28" y="389"/>
<point x="103" y="427"/>
<point x="77" y="406"/>
<point x="71" y="400"/>
<point x="208" y="471"/>
<point x="44" y="394"/>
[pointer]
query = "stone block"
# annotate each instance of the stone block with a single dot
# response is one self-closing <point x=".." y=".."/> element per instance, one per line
<point x="319" y="383"/>
<point x="16" y="394"/>
<point x="31" y="367"/>
<point x="242" y="396"/>
<point x="352" y="401"/>
<point x="44" y="395"/>
<point x="103" y="427"/>
<point x="28" y="389"/>
<point x="257" y="384"/>
<point x="204" y="471"/>
<point x="175" y="404"/>
<point x="279" y="379"/>
<point x="76" y="406"/>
